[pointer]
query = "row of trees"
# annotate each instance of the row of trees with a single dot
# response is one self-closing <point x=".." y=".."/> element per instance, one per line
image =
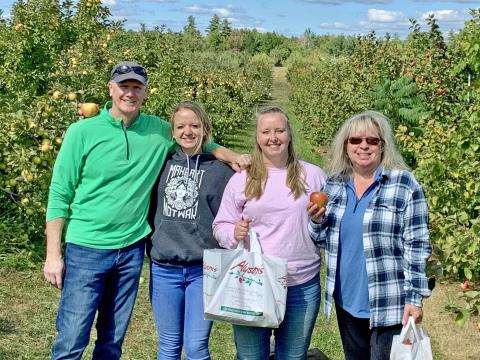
<point x="55" y="55"/>
<point x="430" y="89"/>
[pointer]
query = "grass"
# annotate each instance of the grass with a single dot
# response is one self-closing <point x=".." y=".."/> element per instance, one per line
<point x="28" y="304"/>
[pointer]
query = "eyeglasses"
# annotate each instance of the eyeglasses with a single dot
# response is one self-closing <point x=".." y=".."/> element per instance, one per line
<point x="370" y="140"/>
<point x="125" y="69"/>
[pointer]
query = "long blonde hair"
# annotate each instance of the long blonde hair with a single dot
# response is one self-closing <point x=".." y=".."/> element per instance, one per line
<point x="258" y="172"/>
<point x="369" y="120"/>
<point x="201" y="116"/>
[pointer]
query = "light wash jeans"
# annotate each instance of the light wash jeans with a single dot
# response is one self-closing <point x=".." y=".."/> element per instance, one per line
<point x="176" y="293"/>
<point x="97" y="280"/>
<point x="292" y="338"/>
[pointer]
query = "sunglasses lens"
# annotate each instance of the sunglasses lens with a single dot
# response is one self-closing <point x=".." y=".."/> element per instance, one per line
<point x="139" y="70"/>
<point x="355" y="140"/>
<point x="372" y="140"/>
<point x="123" y="69"/>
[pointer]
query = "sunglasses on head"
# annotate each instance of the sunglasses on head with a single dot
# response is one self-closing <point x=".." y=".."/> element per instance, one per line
<point x="358" y="140"/>
<point x="125" y="69"/>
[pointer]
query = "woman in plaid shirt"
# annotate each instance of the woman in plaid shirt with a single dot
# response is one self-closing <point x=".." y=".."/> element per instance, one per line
<point x="375" y="233"/>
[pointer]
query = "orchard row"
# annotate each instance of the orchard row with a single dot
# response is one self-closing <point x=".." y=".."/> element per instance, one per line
<point x="430" y="88"/>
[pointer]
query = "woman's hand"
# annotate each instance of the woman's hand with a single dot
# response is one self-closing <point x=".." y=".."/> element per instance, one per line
<point x="240" y="231"/>
<point x="413" y="310"/>
<point x="315" y="213"/>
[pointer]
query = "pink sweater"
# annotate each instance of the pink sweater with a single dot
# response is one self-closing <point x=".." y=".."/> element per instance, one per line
<point x="279" y="220"/>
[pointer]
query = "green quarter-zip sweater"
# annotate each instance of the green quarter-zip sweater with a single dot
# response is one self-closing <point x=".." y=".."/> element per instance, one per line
<point x="103" y="176"/>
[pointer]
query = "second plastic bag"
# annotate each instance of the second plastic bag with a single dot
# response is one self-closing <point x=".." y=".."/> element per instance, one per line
<point x="413" y="343"/>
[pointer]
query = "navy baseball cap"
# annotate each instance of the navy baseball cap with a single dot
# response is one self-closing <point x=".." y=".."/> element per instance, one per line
<point x="129" y="70"/>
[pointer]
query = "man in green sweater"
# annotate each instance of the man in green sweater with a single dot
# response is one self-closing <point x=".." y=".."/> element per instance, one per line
<point x="99" y="193"/>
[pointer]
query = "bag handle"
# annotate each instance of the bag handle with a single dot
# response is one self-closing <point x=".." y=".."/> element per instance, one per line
<point x="254" y="243"/>
<point x="255" y="246"/>
<point x="415" y="328"/>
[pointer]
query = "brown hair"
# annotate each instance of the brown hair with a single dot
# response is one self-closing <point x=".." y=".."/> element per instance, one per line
<point x="258" y="172"/>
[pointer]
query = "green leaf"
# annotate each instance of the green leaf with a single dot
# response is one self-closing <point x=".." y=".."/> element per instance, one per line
<point x="418" y="131"/>
<point x="468" y="273"/>
<point x="471" y="294"/>
<point x="462" y="317"/>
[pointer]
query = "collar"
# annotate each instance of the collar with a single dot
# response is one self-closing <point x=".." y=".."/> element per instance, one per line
<point x="118" y="121"/>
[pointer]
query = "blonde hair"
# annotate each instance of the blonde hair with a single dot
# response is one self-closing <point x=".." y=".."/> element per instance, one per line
<point x="201" y="115"/>
<point x="366" y="121"/>
<point x="258" y="172"/>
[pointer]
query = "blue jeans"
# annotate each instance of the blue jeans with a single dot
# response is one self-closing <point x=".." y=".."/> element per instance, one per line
<point x="292" y="338"/>
<point x="97" y="280"/>
<point x="176" y="294"/>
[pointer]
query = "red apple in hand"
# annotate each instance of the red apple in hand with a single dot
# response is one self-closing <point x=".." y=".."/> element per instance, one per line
<point x="319" y="198"/>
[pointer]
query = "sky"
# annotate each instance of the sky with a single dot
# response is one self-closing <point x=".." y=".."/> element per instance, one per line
<point x="291" y="17"/>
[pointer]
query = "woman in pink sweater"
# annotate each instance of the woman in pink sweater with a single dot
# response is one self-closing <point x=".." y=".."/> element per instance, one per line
<point x="272" y="198"/>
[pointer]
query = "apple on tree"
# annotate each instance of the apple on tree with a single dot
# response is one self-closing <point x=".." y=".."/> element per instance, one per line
<point x="57" y="95"/>
<point x="88" y="109"/>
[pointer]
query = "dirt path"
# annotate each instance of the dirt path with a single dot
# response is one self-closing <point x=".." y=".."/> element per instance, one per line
<point x="280" y="93"/>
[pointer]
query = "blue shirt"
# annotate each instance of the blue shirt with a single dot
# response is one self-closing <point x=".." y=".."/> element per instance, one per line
<point x="351" y="283"/>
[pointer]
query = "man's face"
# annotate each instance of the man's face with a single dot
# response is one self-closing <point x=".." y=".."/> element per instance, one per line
<point x="127" y="96"/>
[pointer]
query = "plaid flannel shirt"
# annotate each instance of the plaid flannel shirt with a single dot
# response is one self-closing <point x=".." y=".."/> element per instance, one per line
<point x="395" y="241"/>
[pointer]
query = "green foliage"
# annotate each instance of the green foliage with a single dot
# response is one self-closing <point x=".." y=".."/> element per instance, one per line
<point x="54" y="56"/>
<point x="327" y="90"/>
<point x="398" y="100"/>
<point x="422" y="84"/>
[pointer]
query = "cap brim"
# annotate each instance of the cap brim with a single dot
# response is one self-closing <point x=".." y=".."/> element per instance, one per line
<point x="129" y="76"/>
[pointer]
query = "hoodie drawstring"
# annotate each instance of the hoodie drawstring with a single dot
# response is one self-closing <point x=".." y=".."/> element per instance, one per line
<point x="188" y="169"/>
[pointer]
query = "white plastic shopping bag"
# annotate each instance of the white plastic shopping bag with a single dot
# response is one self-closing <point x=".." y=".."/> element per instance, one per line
<point x="244" y="287"/>
<point x="413" y="343"/>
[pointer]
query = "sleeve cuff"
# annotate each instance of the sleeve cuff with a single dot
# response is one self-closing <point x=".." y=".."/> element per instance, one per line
<point x="314" y="225"/>
<point x="413" y="298"/>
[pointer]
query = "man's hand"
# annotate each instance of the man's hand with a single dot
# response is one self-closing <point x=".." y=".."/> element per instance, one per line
<point x="54" y="266"/>
<point x="241" y="162"/>
<point x="53" y="270"/>
<point x="413" y="310"/>
<point x="237" y="161"/>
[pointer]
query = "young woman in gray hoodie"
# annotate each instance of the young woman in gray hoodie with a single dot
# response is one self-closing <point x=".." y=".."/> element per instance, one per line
<point x="184" y="203"/>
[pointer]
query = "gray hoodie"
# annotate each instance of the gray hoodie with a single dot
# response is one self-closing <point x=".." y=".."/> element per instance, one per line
<point x="184" y="203"/>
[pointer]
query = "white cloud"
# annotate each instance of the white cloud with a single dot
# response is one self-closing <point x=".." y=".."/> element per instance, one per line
<point x="109" y="2"/>
<point x="195" y="9"/>
<point x="334" y="25"/>
<point x="235" y="15"/>
<point x="446" y="15"/>
<point x="384" y="16"/>
<point x="222" y="12"/>
<point x="452" y="1"/>
<point x="341" y="2"/>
